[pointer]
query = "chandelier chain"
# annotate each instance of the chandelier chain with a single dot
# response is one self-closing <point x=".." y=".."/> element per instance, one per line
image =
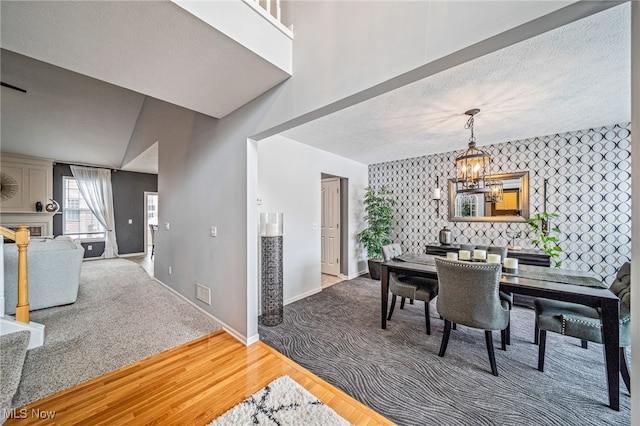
<point x="469" y="125"/>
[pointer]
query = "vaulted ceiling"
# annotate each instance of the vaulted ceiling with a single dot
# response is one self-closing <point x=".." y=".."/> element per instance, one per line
<point x="87" y="66"/>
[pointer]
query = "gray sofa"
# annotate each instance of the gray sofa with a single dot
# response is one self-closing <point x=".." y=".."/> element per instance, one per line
<point x="54" y="273"/>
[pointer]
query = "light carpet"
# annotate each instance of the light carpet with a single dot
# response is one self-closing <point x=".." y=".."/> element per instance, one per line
<point x="13" y="349"/>
<point x="281" y="402"/>
<point x="336" y="334"/>
<point x="121" y="316"/>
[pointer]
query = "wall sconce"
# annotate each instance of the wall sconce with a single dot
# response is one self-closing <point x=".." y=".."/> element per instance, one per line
<point x="437" y="196"/>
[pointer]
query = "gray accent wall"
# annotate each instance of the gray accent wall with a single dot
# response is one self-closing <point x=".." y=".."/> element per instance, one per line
<point x="589" y="187"/>
<point x="128" y="203"/>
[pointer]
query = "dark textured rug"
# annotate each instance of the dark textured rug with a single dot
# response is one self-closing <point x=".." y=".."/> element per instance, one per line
<point x="336" y="334"/>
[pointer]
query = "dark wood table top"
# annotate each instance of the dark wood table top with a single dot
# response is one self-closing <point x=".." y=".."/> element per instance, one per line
<point x="520" y="283"/>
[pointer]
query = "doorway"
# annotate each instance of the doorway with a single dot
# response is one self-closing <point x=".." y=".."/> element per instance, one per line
<point x="150" y="221"/>
<point x="332" y="229"/>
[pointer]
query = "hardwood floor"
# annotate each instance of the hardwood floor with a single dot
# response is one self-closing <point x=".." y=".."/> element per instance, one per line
<point x="188" y="385"/>
<point x="329" y="280"/>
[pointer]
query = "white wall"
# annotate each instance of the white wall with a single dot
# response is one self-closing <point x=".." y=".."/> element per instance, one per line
<point x="289" y="181"/>
<point x="240" y="21"/>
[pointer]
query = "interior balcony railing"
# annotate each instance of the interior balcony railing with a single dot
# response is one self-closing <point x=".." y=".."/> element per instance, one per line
<point x="272" y="7"/>
<point x="21" y="237"/>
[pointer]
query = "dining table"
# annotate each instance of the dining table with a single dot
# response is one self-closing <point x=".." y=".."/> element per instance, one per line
<point x="536" y="281"/>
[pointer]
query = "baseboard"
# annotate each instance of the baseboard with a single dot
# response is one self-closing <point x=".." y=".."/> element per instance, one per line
<point x="226" y="327"/>
<point x="86" y="259"/>
<point x="358" y="274"/>
<point x="303" y="295"/>
<point x="132" y="254"/>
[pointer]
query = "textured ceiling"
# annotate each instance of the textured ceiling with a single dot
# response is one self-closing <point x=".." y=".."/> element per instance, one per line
<point x="574" y="77"/>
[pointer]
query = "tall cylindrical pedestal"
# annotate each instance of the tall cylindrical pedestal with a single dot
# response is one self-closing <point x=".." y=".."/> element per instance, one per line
<point x="271" y="242"/>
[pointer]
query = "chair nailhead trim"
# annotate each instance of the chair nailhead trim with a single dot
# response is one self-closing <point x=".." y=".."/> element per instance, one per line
<point x="477" y="265"/>
<point x="587" y="323"/>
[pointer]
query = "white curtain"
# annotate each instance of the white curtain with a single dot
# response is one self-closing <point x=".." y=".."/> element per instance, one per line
<point x="95" y="187"/>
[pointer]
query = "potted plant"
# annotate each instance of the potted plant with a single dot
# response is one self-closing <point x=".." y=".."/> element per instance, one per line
<point x="378" y="206"/>
<point x="544" y="235"/>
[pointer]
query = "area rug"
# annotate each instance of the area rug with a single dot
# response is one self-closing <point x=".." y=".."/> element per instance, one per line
<point x="121" y="316"/>
<point x="397" y="372"/>
<point x="281" y="402"/>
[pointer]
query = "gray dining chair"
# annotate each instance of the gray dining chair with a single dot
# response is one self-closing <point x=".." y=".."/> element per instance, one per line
<point x="583" y="322"/>
<point x="468" y="295"/>
<point x="412" y="287"/>
<point x="508" y="297"/>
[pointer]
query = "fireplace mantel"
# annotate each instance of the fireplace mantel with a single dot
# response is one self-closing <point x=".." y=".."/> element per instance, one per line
<point x="43" y="220"/>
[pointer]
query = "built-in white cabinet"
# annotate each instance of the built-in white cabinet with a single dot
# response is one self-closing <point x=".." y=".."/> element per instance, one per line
<point x="23" y="182"/>
<point x="30" y="181"/>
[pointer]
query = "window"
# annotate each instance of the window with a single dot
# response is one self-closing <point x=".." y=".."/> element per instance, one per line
<point x="77" y="219"/>
<point x="466" y="205"/>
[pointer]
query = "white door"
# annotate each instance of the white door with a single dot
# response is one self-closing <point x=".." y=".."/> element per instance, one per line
<point x="330" y="227"/>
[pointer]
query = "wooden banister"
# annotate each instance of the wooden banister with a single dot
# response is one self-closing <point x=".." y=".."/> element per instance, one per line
<point x="21" y="237"/>
<point x="7" y="233"/>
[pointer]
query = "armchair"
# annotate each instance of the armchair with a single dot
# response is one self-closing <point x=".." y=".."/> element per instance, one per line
<point x="584" y="322"/>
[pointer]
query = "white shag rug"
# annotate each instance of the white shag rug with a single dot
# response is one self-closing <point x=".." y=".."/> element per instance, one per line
<point x="281" y="402"/>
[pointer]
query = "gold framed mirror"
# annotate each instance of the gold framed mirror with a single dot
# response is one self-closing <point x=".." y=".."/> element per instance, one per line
<point x="473" y="207"/>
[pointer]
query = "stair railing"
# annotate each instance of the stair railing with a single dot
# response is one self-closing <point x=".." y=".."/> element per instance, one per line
<point x="21" y="237"/>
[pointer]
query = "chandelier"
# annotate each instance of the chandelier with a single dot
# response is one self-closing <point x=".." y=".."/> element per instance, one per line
<point x="473" y="167"/>
<point x="496" y="193"/>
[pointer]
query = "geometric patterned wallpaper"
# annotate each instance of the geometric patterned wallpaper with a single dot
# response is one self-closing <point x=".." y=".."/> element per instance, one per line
<point x="589" y="187"/>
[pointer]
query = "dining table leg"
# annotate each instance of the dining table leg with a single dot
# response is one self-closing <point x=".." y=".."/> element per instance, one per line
<point x="384" y="286"/>
<point x="611" y="344"/>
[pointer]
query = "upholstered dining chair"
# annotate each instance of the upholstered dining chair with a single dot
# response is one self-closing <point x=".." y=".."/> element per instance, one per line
<point x="405" y="286"/>
<point x="508" y="297"/>
<point x="584" y="322"/>
<point x="468" y="295"/>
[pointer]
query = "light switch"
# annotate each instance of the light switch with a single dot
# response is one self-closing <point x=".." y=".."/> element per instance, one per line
<point x="130" y="221"/>
<point x="167" y="226"/>
<point x="214" y="231"/>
